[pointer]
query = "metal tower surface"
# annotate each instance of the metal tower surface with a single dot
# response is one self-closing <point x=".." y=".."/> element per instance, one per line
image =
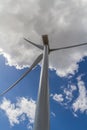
<point x="42" y="107"/>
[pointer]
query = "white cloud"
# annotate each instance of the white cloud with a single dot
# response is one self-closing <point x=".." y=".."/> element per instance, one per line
<point x="53" y="114"/>
<point x="66" y="96"/>
<point x="58" y="97"/>
<point x="80" y="103"/>
<point x="29" y="127"/>
<point x="69" y="92"/>
<point x="68" y="100"/>
<point x="64" y="22"/>
<point x="17" y="112"/>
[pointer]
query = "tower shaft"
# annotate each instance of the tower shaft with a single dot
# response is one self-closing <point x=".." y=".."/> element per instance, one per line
<point x="42" y="106"/>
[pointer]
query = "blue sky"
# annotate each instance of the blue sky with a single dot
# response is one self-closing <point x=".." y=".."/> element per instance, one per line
<point x="65" y="22"/>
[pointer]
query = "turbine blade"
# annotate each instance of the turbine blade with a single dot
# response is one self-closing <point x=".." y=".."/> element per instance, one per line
<point x="68" y="47"/>
<point x="39" y="46"/>
<point x="31" y="67"/>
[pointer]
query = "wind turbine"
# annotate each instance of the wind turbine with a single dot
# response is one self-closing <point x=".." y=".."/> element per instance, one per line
<point x="42" y="120"/>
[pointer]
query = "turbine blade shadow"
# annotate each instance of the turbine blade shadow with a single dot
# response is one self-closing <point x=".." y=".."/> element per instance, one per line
<point x="67" y="47"/>
<point x="39" y="58"/>
<point x="38" y="46"/>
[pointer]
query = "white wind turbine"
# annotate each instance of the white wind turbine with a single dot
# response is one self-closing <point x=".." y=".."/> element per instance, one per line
<point x="42" y="121"/>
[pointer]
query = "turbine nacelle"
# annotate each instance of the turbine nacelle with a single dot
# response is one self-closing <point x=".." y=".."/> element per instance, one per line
<point x="45" y="39"/>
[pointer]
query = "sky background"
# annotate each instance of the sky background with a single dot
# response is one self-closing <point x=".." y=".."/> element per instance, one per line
<point x="65" y="22"/>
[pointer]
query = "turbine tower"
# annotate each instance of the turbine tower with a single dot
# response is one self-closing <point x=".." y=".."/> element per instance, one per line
<point x="42" y="108"/>
<point x="42" y="118"/>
